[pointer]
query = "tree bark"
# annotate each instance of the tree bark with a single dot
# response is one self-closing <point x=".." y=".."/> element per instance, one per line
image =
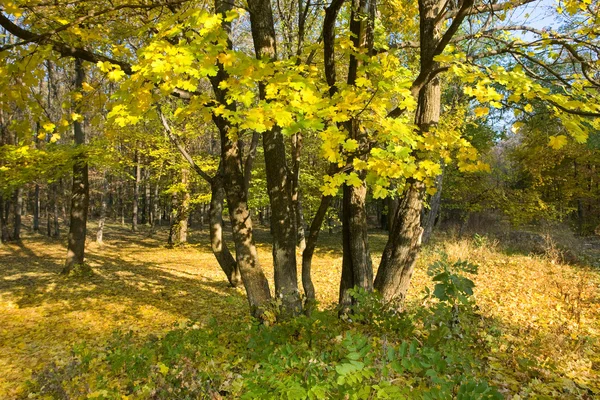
<point x="296" y="202"/>
<point x="103" y="206"/>
<point x="18" y="210"/>
<point x="217" y="240"/>
<point x="309" y="250"/>
<point x="80" y="191"/>
<point x="400" y="254"/>
<point x="155" y="207"/>
<point x="357" y="267"/>
<point x="184" y="209"/>
<point x="55" y="224"/>
<point x="255" y="282"/>
<point x="4" y="233"/>
<point x="48" y="213"/>
<point x="253" y="277"/>
<point x="277" y="173"/>
<point x="434" y="208"/>
<point x="36" y="209"/>
<point x="136" y="192"/>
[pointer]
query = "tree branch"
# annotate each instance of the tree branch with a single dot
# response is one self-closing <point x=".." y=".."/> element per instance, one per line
<point x="175" y="140"/>
<point x="485" y="8"/>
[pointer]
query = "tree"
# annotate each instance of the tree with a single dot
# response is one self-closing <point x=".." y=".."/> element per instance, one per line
<point x="80" y="196"/>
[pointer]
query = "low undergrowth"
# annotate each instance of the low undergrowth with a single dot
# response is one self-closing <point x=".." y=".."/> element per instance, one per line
<point x="154" y="322"/>
<point x="375" y="352"/>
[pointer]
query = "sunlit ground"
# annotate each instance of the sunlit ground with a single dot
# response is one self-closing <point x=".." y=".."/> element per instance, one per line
<point x="538" y="311"/>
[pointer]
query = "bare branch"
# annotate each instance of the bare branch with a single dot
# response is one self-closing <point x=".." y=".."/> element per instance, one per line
<point x="175" y="140"/>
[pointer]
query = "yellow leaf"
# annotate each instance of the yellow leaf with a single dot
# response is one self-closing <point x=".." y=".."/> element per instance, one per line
<point x="163" y="368"/>
<point x="481" y="111"/>
<point x="48" y="126"/>
<point x="516" y="126"/>
<point x="116" y="75"/>
<point x="87" y="87"/>
<point x="362" y="81"/>
<point x="557" y="142"/>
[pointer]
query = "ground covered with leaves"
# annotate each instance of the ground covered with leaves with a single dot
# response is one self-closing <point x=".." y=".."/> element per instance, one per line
<point x="159" y="322"/>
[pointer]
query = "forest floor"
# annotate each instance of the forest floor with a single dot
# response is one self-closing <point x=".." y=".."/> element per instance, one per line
<point x="536" y="308"/>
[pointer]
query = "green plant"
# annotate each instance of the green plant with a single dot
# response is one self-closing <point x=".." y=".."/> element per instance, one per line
<point x="452" y="287"/>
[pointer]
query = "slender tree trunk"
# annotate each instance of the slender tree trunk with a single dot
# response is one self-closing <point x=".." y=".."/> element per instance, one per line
<point x="56" y="225"/>
<point x="18" y="209"/>
<point x="184" y="209"/>
<point x="155" y="207"/>
<point x="36" y="209"/>
<point x="80" y="192"/>
<point x="121" y="195"/>
<point x="136" y="192"/>
<point x="4" y="234"/>
<point x="147" y="211"/>
<point x="434" y="209"/>
<point x="103" y="201"/>
<point x="173" y="220"/>
<point x="217" y="240"/>
<point x="309" y="250"/>
<point x="48" y="213"/>
<point x="63" y="204"/>
<point x="296" y="201"/>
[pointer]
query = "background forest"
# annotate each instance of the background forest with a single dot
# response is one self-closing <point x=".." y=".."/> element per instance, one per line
<point x="293" y="199"/>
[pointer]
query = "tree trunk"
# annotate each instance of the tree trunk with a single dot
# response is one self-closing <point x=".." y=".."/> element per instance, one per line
<point x="217" y="240"/>
<point x="434" y="209"/>
<point x="173" y="221"/>
<point x="277" y="173"/>
<point x="48" y="213"/>
<point x="400" y="254"/>
<point x="80" y="192"/>
<point x="18" y="209"/>
<point x="357" y="267"/>
<point x="4" y="234"/>
<point x="184" y="209"/>
<point x="309" y="250"/>
<point x="56" y="224"/>
<point x="155" y="217"/>
<point x="36" y="209"/>
<point x="63" y="206"/>
<point x="296" y="202"/>
<point x="103" y="201"/>
<point x="136" y="192"/>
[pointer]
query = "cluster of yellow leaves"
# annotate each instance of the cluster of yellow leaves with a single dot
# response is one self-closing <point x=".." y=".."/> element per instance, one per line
<point x="521" y="90"/>
<point x="296" y="99"/>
